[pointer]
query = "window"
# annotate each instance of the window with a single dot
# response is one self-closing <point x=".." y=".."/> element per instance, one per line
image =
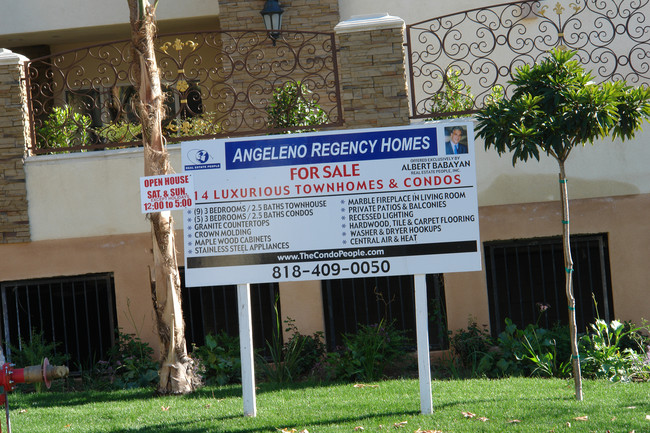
<point x="78" y="313"/>
<point x="213" y="309"/>
<point x="366" y="301"/>
<point x="523" y="274"/>
<point x="116" y="104"/>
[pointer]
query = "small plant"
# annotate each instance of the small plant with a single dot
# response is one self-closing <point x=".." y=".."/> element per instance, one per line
<point x="531" y="351"/>
<point x="295" y="358"/>
<point x="292" y="105"/>
<point x="219" y="359"/>
<point x="454" y="96"/>
<point x="469" y="346"/>
<point x="33" y="351"/>
<point x="368" y="352"/>
<point x="120" y="132"/>
<point x="604" y="356"/>
<point x="64" y="128"/>
<point x="130" y="363"/>
<point x="310" y="347"/>
<point x="541" y="350"/>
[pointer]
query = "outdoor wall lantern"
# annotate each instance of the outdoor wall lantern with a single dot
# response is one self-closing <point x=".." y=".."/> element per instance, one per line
<point x="272" y="14"/>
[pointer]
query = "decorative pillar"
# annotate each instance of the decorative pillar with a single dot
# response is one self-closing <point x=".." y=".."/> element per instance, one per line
<point x="14" y="141"/>
<point x="373" y="77"/>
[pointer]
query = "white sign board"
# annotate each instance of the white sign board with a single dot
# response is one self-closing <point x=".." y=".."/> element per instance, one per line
<point x="342" y="204"/>
<point x="166" y="192"/>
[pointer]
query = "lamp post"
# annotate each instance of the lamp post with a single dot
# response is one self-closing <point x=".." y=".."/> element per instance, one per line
<point x="272" y="14"/>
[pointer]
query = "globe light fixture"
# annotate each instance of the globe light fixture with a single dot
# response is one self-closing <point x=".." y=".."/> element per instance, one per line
<point x="272" y="14"/>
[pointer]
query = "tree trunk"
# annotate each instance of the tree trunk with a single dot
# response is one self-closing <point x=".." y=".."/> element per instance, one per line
<point x="176" y="372"/>
<point x="568" y="266"/>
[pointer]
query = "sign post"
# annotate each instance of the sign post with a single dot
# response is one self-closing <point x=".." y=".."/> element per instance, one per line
<point x="332" y="205"/>
<point x="422" y="330"/>
<point x="246" y="349"/>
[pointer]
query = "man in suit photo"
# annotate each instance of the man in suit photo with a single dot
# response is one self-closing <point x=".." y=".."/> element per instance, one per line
<point x="454" y="145"/>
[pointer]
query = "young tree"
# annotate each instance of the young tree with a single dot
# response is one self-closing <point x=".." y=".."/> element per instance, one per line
<point x="555" y="106"/>
<point x="176" y="373"/>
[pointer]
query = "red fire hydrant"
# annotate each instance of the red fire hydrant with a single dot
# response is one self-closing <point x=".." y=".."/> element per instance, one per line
<point x="10" y="376"/>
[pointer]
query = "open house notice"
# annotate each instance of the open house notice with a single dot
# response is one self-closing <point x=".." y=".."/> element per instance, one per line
<point x="342" y="204"/>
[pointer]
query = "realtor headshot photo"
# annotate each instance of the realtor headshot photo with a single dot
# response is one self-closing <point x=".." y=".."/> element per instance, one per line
<point x="455" y="140"/>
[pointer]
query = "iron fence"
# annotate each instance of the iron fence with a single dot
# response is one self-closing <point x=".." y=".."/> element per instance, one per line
<point x="216" y="84"/>
<point x="456" y="61"/>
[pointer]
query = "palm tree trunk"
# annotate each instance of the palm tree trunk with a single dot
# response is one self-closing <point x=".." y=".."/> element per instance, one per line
<point x="176" y="373"/>
<point x="568" y="266"/>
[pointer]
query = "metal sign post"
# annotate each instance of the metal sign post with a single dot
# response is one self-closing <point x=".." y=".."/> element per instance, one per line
<point x="246" y="349"/>
<point x="422" y="329"/>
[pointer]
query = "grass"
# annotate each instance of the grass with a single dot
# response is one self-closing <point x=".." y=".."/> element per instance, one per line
<point x="539" y="405"/>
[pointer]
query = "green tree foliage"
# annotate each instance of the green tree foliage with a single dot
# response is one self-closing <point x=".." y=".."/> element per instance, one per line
<point x="555" y="106"/>
<point x="292" y="105"/>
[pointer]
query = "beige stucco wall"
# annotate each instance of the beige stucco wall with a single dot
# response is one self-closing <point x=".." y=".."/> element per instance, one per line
<point x="127" y="257"/>
<point x="42" y="21"/>
<point x="302" y="302"/>
<point x="86" y="194"/>
<point x="410" y="11"/>
<point x="606" y="168"/>
<point x="623" y="218"/>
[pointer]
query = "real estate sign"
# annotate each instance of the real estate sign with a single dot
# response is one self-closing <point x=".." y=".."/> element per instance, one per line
<point x="166" y="192"/>
<point x="337" y="204"/>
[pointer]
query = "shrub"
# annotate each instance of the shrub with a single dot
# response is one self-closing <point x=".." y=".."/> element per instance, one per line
<point x="454" y="96"/>
<point x="203" y="124"/>
<point x="294" y="359"/>
<point x="33" y="351"/>
<point x="64" y="128"/>
<point x="219" y="360"/>
<point x="531" y="351"/>
<point x="130" y="364"/>
<point x="120" y="132"/>
<point x="469" y="346"/>
<point x="367" y="353"/>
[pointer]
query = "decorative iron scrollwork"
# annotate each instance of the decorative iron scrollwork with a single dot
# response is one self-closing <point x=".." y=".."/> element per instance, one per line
<point x="216" y="84"/>
<point x="486" y="45"/>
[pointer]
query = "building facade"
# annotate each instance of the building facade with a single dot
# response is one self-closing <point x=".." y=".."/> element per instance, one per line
<point x="75" y="251"/>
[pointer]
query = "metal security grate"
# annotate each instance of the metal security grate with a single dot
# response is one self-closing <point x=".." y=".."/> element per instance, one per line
<point x="76" y="312"/>
<point x="522" y="274"/>
<point x="213" y="309"/>
<point x="351" y="302"/>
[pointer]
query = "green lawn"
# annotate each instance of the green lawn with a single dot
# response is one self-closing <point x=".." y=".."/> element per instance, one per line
<point x="509" y="405"/>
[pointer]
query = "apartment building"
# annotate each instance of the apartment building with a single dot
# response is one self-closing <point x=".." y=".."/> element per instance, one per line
<point x="75" y="249"/>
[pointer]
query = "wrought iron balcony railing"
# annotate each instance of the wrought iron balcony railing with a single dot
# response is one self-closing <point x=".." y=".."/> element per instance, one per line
<point x="456" y="61"/>
<point x="216" y="84"/>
